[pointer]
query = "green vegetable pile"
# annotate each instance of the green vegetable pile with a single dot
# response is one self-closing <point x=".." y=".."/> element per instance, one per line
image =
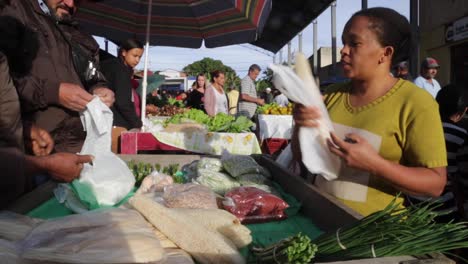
<point x="142" y="169"/>
<point x="219" y="123"/>
<point x="296" y="249"/>
<point x="394" y="231"/>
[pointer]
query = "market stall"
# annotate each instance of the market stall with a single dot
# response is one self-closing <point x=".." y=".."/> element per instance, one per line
<point x="193" y="131"/>
<point x="275" y="125"/>
<point x="311" y="212"/>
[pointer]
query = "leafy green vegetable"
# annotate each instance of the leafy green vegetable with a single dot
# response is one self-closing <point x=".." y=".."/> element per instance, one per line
<point x="141" y="169"/>
<point x="296" y="249"/>
<point x="219" y="123"/>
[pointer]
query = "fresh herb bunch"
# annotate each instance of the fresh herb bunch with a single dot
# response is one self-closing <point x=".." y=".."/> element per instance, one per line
<point x="297" y="249"/>
<point x="394" y="231"/>
<point x="142" y="169"/>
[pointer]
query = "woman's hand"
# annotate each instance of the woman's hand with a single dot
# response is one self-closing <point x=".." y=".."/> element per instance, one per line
<point x="355" y="151"/>
<point x="305" y="116"/>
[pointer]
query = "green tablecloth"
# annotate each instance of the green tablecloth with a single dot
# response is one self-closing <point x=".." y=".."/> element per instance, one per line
<point x="50" y="209"/>
<point x="263" y="233"/>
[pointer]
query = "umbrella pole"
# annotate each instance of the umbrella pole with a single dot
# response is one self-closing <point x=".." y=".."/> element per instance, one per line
<point x="145" y="71"/>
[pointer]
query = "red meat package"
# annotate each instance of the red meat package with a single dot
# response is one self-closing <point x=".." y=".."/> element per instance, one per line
<point x="252" y="205"/>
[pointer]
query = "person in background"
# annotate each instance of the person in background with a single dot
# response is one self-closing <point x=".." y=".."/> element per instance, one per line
<point x="58" y="87"/>
<point x="249" y="99"/>
<point x="136" y="97"/>
<point x="452" y="109"/>
<point x="181" y="97"/>
<point x="233" y="100"/>
<point x="280" y="98"/>
<point x="119" y="72"/>
<point x="215" y="98"/>
<point x="411" y="155"/>
<point x="195" y="98"/>
<point x="402" y="71"/>
<point x="18" y="49"/>
<point x="268" y="96"/>
<point x="426" y="80"/>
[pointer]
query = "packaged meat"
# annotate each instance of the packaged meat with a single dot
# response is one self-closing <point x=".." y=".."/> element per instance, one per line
<point x="252" y="205"/>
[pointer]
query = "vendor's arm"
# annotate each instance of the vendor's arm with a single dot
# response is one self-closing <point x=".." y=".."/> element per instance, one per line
<point x="413" y="180"/>
<point x="248" y="98"/>
<point x="60" y="166"/>
<point x="37" y="140"/>
<point x="419" y="180"/>
<point x="245" y="97"/>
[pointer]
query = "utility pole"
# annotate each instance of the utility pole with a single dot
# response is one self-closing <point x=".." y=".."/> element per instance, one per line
<point x="300" y="42"/>
<point x="363" y="4"/>
<point x="333" y="31"/>
<point x="414" y="20"/>
<point x="106" y="45"/>
<point x="281" y="56"/>
<point x="315" y="43"/>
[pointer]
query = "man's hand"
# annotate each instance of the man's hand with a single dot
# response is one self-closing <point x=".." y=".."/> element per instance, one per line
<point x="260" y="101"/>
<point x="65" y="166"/>
<point x="106" y="95"/>
<point x="41" y="142"/>
<point x="73" y="97"/>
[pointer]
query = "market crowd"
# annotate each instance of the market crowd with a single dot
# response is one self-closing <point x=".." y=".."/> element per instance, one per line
<point x="50" y="70"/>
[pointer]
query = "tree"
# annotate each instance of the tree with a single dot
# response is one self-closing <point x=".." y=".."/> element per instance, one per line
<point x="208" y="65"/>
<point x="265" y="81"/>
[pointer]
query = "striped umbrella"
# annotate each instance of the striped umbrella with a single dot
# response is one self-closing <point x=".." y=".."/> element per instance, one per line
<point x="177" y="23"/>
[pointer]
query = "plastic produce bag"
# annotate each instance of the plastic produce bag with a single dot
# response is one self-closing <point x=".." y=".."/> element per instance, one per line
<point x="189" y="195"/>
<point x="155" y="182"/>
<point x="101" y="236"/>
<point x="237" y="165"/>
<point x="219" y="182"/>
<point x="252" y="205"/>
<point x="213" y="164"/>
<point x="301" y="88"/>
<point x="108" y="180"/>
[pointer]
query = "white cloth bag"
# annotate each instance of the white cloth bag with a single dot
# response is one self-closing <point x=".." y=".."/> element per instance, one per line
<point x="301" y="88"/>
<point x="109" y="177"/>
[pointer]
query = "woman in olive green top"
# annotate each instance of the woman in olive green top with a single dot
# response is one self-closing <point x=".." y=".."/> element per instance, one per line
<point x="411" y="155"/>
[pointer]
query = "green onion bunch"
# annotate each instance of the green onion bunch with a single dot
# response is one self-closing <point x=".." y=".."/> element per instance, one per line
<point x="297" y="249"/>
<point x="394" y="231"/>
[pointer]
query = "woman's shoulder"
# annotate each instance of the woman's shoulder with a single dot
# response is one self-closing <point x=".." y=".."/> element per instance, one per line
<point x="413" y="93"/>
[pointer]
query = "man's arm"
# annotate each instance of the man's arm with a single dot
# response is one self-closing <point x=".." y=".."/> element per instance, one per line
<point x="245" y="97"/>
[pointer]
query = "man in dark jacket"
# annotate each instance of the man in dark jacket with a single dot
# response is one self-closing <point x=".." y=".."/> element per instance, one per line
<point x="54" y="91"/>
<point x="17" y="169"/>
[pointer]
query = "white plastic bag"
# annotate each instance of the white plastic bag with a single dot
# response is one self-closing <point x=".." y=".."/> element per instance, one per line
<point x="108" y="178"/>
<point x="301" y="88"/>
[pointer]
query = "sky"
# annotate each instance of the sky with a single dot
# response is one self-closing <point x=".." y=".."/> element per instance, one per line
<point x="240" y="57"/>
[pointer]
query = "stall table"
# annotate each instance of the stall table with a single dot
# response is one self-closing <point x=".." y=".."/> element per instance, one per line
<point x="132" y="142"/>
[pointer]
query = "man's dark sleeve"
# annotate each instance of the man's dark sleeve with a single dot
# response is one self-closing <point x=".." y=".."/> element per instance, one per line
<point x="35" y="92"/>
<point x="15" y="182"/>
